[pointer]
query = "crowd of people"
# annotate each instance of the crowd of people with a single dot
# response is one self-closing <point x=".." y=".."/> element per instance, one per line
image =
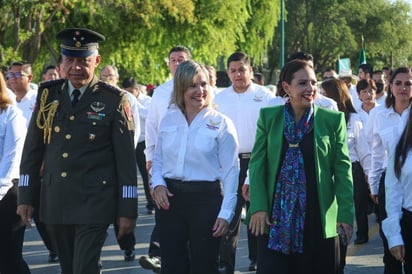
<point x="307" y="159"/>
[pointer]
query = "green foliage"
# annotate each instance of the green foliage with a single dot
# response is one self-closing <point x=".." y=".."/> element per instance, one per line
<point x="139" y="33"/>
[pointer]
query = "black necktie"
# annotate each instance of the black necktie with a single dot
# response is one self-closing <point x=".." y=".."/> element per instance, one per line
<point x="76" y="95"/>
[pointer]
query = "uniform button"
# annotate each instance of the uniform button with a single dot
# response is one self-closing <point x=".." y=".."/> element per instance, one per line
<point x="94" y="123"/>
<point x="68" y="136"/>
<point x="104" y="182"/>
<point x="63" y="174"/>
<point x="65" y="155"/>
<point x="57" y="129"/>
<point x="71" y="118"/>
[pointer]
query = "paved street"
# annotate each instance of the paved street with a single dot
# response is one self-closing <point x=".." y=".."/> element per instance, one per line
<point x="365" y="259"/>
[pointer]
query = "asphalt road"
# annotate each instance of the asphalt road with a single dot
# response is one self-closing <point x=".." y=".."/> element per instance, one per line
<point x="365" y="259"/>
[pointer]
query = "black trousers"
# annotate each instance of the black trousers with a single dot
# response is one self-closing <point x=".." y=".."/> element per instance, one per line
<point x="185" y="231"/>
<point x="406" y="228"/>
<point x="41" y="228"/>
<point x="11" y="236"/>
<point x="228" y="246"/>
<point x="154" y="246"/>
<point x="392" y="266"/>
<point x="78" y="246"/>
<point x="361" y="200"/>
<point x="141" y="165"/>
<point x="320" y="259"/>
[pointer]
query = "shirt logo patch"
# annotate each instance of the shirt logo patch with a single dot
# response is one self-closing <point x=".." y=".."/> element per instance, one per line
<point x="258" y="98"/>
<point x="213" y="125"/>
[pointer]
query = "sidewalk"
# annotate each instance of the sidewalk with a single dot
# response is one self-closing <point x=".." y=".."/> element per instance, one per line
<point x="365" y="259"/>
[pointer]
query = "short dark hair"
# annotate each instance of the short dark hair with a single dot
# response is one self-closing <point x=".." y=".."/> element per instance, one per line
<point x="129" y="82"/>
<point x="238" y="56"/>
<point x="48" y="67"/>
<point x="180" y="48"/>
<point x="362" y="84"/>
<point x="299" y="55"/>
<point x="367" y="68"/>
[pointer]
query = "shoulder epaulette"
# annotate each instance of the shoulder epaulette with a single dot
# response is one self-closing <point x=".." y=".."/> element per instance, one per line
<point x="112" y="88"/>
<point x="51" y="83"/>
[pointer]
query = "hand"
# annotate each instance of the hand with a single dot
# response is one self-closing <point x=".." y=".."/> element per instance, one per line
<point x="245" y="192"/>
<point x="161" y="196"/>
<point x="26" y="213"/>
<point x="348" y="231"/>
<point x="148" y="166"/>
<point x="258" y="222"/>
<point x="220" y="227"/>
<point x="375" y="198"/>
<point x="398" y="252"/>
<point x="126" y="226"/>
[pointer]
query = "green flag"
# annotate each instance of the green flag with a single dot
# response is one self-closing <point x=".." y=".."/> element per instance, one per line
<point x="362" y="57"/>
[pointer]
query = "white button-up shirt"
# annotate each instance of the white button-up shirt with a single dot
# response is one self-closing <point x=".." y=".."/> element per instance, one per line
<point x="27" y="104"/>
<point x="143" y="103"/>
<point x="158" y="107"/>
<point x="205" y="150"/>
<point x="243" y="109"/>
<point x="384" y="128"/>
<point x="398" y="195"/>
<point x="12" y="135"/>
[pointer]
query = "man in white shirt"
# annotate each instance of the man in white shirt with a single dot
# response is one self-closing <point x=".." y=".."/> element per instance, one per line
<point x="241" y="102"/>
<point x="110" y="75"/>
<point x="143" y="102"/>
<point x="158" y="107"/>
<point x="19" y="77"/>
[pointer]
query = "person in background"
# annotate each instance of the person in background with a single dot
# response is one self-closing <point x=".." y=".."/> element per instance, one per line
<point x="365" y="71"/>
<point x="110" y="75"/>
<point x="350" y="81"/>
<point x="196" y="155"/>
<point x="11" y="146"/>
<point x="81" y="135"/>
<point x="158" y="107"/>
<point x="50" y="73"/>
<point x="397" y="226"/>
<point x="381" y="87"/>
<point x="358" y="153"/>
<point x="384" y="127"/>
<point x="143" y="103"/>
<point x="329" y="73"/>
<point x="300" y="180"/>
<point x="212" y="78"/>
<point x="25" y="99"/>
<point x="241" y="102"/>
<point x="259" y="78"/>
<point x="20" y="76"/>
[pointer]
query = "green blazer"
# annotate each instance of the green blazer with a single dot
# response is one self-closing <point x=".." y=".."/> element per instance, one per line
<point x="333" y="166"/>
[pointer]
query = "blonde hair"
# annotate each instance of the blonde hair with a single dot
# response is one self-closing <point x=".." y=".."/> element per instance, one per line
<point x="186" y="74"/>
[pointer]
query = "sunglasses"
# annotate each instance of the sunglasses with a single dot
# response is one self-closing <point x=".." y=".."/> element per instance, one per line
<point x="10" y="75"/>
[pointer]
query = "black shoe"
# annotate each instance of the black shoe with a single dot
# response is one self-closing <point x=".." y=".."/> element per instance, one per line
<point x="129" y="255"/>
<point x="53" y="258"/>
<point x="361" y="240"/>
<point x="252" y="265"/>
<point x="224" y="269"/>
<point x="152" y="263"/>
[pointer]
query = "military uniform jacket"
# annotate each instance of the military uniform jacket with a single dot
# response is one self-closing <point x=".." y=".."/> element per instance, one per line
<point x="87" y="154"/>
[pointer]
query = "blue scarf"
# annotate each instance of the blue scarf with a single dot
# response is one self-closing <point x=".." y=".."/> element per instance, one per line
<point x="289" y="206"/>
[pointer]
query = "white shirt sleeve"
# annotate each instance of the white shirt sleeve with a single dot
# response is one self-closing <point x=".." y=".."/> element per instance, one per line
<point x="394" y="200"/>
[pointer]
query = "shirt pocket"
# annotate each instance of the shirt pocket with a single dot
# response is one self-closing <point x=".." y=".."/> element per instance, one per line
<point x="206" y="140"/>
<point x="169" y="137"/>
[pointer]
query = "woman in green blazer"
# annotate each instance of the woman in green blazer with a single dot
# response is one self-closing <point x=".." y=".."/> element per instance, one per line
<point x="300" y="180"/>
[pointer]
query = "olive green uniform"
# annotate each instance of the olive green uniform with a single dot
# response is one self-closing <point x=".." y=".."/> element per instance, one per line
<point x="86" y="154"/>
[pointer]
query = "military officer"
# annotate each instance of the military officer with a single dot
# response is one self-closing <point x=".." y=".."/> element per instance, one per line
<point x="81" y="138"/>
